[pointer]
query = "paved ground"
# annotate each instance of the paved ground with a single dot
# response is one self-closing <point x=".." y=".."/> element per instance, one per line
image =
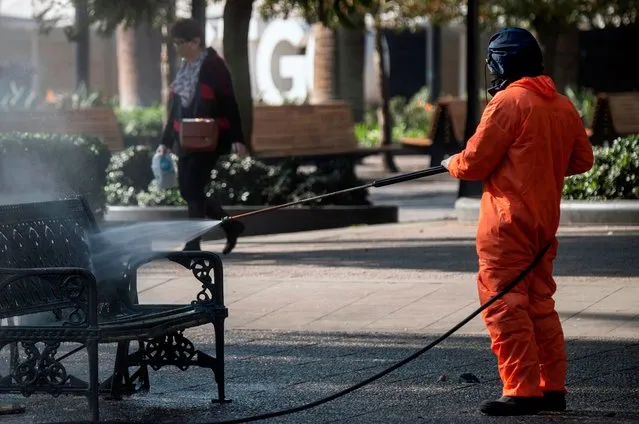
<point x="312" y="314"/>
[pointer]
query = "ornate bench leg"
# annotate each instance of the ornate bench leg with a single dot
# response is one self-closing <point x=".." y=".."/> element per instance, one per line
<point x="121" y="381"/>
<point x="218" y="325"/>
<point x="94" y="384"/>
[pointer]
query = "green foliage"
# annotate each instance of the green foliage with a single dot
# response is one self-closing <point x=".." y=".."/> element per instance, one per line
<point x="54" y="166"/>
<point x="80" y="98"/>
<point x="104" y="15"/>
<point x="234" y="181"/>
<point x="241" y="181"/>
<point x="351" y="13"/>
<point x="559" y="13"/>
<point x="584" y="101"/>
<point x="141" y="122"/>
<point x="411" y="118"/>
<point x="614" y="175"/>
<point x="156" y="197"/>
<point x="128" y="173"/>
<point x="14" y="97"/>
<point x="21" y="97"/>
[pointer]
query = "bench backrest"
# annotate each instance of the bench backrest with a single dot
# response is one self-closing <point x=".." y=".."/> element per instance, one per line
<point x="615" y="115"/>
<point x="303" y="130"/>
<point x="41" y="235"/>
<point x="451" y="115"/>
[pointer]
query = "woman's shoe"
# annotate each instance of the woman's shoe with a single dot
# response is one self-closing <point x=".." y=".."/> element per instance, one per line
<point x="193" y="245"/>
<point x="233" y="230"/>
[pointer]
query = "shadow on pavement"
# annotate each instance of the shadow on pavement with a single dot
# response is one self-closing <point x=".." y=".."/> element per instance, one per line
<point x="596" y="255"/>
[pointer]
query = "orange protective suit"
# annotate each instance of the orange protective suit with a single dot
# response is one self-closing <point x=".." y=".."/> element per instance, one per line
<point x="529" y="138"/>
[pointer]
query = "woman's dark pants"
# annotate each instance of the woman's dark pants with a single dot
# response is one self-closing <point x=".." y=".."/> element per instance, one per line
<point x="194" y="173"/>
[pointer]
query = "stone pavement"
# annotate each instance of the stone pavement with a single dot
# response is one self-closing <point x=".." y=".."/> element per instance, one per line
<point x="312" y="314"/>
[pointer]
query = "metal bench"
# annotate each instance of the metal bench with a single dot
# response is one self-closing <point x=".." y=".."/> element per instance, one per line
<point x="615" y="115"/>
<point x="50" y="281"/>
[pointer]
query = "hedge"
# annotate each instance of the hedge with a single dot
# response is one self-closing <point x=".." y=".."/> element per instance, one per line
<point x="614" y="175"/>
<point x="234" y="181"/>
<point x="38" y="166"/>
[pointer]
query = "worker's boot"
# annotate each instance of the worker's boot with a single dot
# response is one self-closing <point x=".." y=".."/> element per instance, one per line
<point x="554" y="401"/>
<point x="513" y="405"/>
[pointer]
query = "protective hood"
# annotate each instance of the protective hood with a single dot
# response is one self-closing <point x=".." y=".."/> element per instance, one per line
<point x="514" y="53"/>
<point x="542" y="85"/>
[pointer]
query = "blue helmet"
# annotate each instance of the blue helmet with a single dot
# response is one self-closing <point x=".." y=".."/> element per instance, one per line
<point x="513" y="53"/>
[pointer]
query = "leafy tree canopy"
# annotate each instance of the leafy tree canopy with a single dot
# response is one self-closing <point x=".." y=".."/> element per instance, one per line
<point x="351" y="13"/>
<point x="105" y="15"/>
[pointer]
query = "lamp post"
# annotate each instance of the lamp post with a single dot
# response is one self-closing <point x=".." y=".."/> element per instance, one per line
<point x="434" y="63"/>
<point x="471" y="188"/>
<point x="82" y="60"/>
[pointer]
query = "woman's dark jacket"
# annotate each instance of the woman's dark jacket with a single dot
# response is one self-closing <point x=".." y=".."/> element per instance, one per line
<point x="214" y="98"/>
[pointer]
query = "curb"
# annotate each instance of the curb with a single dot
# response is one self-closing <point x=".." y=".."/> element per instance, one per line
<point x="573" y="212"/>
<point x="288" y="220"/>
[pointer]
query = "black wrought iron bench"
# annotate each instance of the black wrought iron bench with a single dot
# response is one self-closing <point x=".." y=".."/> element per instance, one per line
<point x="48" y="282"/>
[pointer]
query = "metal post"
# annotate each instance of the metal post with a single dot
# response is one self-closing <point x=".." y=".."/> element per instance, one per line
<point x="82" y="62"/>
<point x="198" y="12"/>
<point x="471" y="188"/>
<point x="434" y="63"/>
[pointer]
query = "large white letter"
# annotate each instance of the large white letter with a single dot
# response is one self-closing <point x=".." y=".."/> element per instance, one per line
<point x="291" y="66"/>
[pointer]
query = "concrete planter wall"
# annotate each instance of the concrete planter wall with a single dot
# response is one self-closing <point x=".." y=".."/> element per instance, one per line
<point x="280" y="221"/>
<point x="573" y="212"/>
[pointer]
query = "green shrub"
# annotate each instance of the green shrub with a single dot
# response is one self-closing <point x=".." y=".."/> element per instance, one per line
<point x="614" y="175"/>
<point x="128" y="173"/>
<point x="141" y="122"/>
<point x="234" y="181"/>
<point x="410" y="118"/>
<point x="37" y="166"/>
<point x="584" y="101"/>
<point x="156" y="197"/>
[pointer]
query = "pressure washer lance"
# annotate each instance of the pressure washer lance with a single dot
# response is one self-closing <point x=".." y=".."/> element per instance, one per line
<point x="379" y="183"/>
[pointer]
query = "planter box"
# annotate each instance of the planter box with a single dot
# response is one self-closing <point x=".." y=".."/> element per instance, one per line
<point x="286" y="220"/>
<point x="573" y="212"/>
<point x="96" y="121"/>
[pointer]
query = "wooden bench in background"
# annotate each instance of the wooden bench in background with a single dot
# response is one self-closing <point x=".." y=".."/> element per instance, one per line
<point x="446" y="134"/>
<point x="615" y="115"/>
<point x="99" y="121"/>
<point x="307" y="131"/>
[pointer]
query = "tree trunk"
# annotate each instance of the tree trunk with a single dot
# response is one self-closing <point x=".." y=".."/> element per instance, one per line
<point x="237" y="16"/>
<point x="385" y="118"/>
<point x="198" y="12"/>
<point x="324" y="69"/>
<point x="548" y="33"/>
<point x="82" y="45"/>
<point x="169" y="58"/>
<point x="350" y="63"/>
<point x="139" y="77"/>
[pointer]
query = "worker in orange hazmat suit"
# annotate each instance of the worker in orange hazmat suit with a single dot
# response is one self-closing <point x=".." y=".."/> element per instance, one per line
<point x="529" y="138"/>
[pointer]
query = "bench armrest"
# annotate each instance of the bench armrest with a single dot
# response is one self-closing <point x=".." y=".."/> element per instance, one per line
<point x="32" y="290"/>
<point x="206" y="267"/>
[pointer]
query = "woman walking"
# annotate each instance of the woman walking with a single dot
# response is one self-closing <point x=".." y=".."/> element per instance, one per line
<point x="202" y="89"/>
